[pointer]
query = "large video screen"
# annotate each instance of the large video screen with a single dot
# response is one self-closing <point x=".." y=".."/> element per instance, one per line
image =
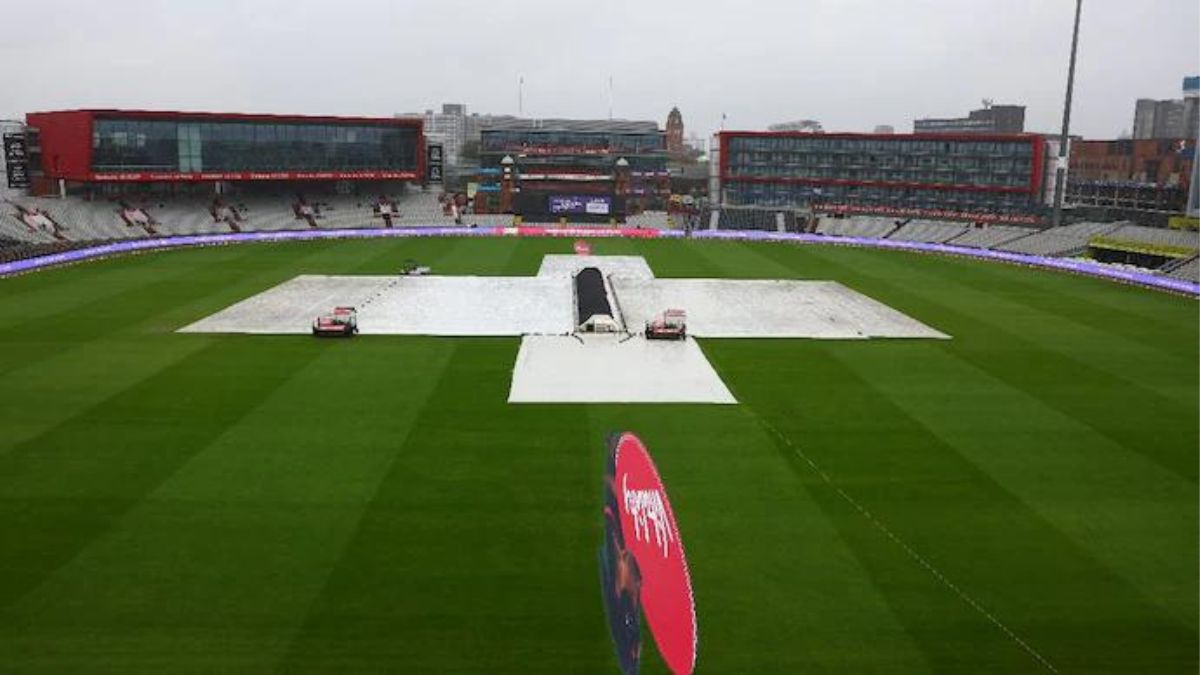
<point x="595" y="205"/>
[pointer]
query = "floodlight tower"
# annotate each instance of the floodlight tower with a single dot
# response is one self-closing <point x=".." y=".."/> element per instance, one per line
<point x="1193" y="203"/>
<point x="1060" y="171"/>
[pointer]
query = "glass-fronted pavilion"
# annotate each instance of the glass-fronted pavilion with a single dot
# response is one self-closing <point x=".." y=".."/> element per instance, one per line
<point x="939" y="174"/>
<point x="147" y="146"/>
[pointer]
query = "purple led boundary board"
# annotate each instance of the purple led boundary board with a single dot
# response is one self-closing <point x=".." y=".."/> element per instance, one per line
<point x="1075" y="266"/>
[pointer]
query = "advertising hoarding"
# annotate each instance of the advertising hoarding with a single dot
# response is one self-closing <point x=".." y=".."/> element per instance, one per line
<point x="596" y="205"/>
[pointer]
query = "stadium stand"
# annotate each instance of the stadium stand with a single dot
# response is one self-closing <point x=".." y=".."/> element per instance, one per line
<point x="248" y="213"/>
<point x="93" y="220"/>
<point x="1156" y="236"/>
<point x="489" y="219"/>
<point x="1060" y="241"/>
<point x="32" y="226"/>
<point x="656" y="220"/>
<point x="191" y="216"/>
<point x="42" y="220"/>
<point x="748" y="219"/>
<point x="857" y="226"/>
<point x="22" y="223"/>
<point x="930" y="231"/>
<point x="34" y="219"/>
<point x="990" y="236"/>
<point x="422" y="208"/>
<point x="339" y="213"/>
<point x="1187" y="269"/>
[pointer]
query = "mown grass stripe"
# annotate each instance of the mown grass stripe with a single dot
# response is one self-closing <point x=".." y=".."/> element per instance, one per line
<point x="474" y="554"/>
<point x="1096" y="304"/>
<point x="934" y="501"/>
<point x="225" y="556"/>
<point x="1089" y="488"/>
<point x="917" y="557"/>
<point x="62" y="489"/>
<point x="1114" y="399"/>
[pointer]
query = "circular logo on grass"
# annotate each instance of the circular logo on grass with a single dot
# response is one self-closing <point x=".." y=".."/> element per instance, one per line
<point x="643" y="563"/>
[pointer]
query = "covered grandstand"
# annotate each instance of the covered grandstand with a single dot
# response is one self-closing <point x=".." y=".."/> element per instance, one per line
<point x="87" y="148"/>
<point x="973" y="177"/>
<point x="77" y="218"/>
<point x="100" y="175"/>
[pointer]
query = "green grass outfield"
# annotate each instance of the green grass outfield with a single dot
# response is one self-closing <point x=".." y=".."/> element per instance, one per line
<point x="254" y="504"/>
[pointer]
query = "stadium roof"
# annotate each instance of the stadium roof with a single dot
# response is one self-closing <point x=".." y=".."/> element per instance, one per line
<point x="223" y="116"/>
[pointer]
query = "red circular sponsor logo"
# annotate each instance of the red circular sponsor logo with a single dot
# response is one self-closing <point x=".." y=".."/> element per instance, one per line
<point x="651" y="534"/>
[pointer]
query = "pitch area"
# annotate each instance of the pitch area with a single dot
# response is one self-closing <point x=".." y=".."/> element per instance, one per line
<point x="1020" y="498"/>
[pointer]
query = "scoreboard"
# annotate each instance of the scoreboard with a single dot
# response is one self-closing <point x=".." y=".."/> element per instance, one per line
<point x="536" y="203"/>
<point x="16" y="160"/>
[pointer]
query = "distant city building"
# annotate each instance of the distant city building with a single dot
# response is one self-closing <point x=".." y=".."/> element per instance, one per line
<point x="1144" y="112"/>
<point x="885" y="129"/>
<point x="1164" y="162"/>
<point x="457" y="131"/>
<point x="1169" y="118"/>
<point x="675" y="133"/>
<point x="1191" y="92"/>
<point x="448" y="127"/>
<point x="1191" y="86"/>
<point x="990" y="119"/>
<point x="808" y="126"/>
<point x="1141" y="180"/>
<point x="1161" y="119"/>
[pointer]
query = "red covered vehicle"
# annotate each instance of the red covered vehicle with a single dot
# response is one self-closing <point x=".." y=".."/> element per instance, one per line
<point x="341" y="322"/>
<point x="670" y="325"/>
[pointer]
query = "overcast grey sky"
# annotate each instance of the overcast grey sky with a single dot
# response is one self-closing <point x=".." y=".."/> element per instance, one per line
<point x="851" y="64"/>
